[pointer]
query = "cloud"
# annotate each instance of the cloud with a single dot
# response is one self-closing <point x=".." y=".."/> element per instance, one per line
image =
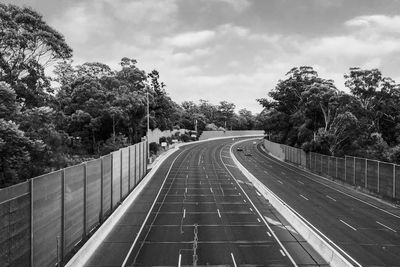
<point x="377" y="23"/>
<point x="238" y="5"/>
<point x="191" y="39"/>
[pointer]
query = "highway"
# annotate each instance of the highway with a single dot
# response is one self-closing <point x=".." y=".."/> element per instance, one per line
<point x="364" y="228"/>
<point x="204" y="213"/>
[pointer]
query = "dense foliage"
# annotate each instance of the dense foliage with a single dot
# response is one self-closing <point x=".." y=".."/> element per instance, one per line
<point x="307" y="111"/>
<point x="83" y="111"/>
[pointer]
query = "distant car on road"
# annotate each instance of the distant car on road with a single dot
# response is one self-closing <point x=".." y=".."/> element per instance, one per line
<point x="247" y="153"/>
<point x="239" y="148"/>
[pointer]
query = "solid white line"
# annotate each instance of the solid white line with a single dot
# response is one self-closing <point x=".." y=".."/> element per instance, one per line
<point x="184" y="213"/>
<point x="269" y="234"/>
<point x="233" y="259"/>
<point x="283" y="253"/>
<point x="219" y="214"/>
<point x="304" y="197"/>
<point x="179" y="260"/>
<point x="258" y="194"/>
<point x="386" y="227"/>
<point x="258" y="220"/>
<point x="148" y="214"/>
<point x="349" y="225"/>
<point x="331" y="198"/>
<point x="300" y="182"/>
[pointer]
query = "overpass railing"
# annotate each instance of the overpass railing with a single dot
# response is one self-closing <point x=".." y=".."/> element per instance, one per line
<point x="379" y="177"/>
<point x="45" y="219"/>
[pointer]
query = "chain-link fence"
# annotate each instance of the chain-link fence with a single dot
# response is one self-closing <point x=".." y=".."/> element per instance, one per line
<point x="44" y="219"/>
<point x="379" y="177"/>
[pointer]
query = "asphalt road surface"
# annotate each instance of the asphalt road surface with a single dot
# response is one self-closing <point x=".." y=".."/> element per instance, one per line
<point x="365" y="229"/>
<point x="206" y="214"/>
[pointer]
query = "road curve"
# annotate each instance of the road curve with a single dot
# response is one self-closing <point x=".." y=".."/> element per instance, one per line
<point x="367" y="233"/>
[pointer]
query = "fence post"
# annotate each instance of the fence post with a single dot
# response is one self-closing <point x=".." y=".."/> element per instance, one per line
<point x="120" y="175"/>
<point x="328" y="165"/>
<point x="321" y="161"/>
<point x="111" y="181"/>
<point x="31" y="220"/>
<point x="394" y="181"/>
<point x="379" y="174"/>
<point x="84" y="199"/>
<point x="345" y="168"/>
<point x="101" y="190"/>
<point x="129" y="169"/>
<point x="366" y="173"/>
<point x="354" y="170"/>
<point x="62" y="243"/>
<point x="336" y="176"/>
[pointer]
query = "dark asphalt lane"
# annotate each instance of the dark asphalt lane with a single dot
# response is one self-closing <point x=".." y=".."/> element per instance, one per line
<point x="203" y="217"/>
<point x="369" y="233"/>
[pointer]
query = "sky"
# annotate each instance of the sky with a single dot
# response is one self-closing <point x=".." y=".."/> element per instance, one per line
<point x="233" y="50"/>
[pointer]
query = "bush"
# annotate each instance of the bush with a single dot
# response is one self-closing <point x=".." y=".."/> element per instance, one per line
<point x="185" y="137"/>
<point x="153" y="148"/>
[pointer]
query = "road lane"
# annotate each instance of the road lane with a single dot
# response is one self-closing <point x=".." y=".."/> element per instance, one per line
<point x="350" y="223"/>
<point x="202" y="217"/>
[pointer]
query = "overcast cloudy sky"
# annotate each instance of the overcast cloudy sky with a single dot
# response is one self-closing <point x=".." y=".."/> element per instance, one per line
<point x="234" y="50"/>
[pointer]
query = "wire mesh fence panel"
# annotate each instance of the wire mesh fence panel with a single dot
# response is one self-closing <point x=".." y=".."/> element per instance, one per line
<point x="106" y="185"/>
<point x="314" y="162"/>
<point x="318" y="163"/>
<point x="372" y="175"/>
<point x="360" y="172"/>
<point x="324" y="169"/>
<point x="397" y="182"/>
<point x="73" y="206"/>
<point x="341" y="169"/>
<point x="349" y="170"/>
<point x="46" y="218"/>
<point x="15" y="225"/>
<point x="93" y="194"/>
<point x="125" y="171"/>
<point x="332" y="166"/>
<point x="386" y="179"/>
<point x="137" y="157"/>
<point x="116" y="178"/>
<point x="132" y="157"/>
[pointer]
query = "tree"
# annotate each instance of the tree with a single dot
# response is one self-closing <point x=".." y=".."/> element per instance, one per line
<point x="27" y="46"/>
